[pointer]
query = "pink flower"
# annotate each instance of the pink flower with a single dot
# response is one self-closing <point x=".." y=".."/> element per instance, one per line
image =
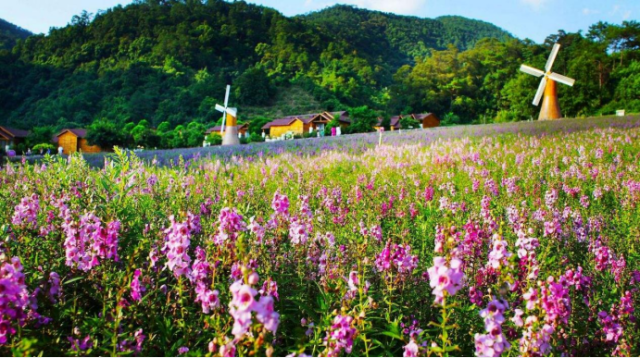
<point x="340" y="336"/>
<point x="411" y="349"/>
<point x="14" y="299"/>
<point x="445" y="279"/>
<point x="176" y="248"/>
<point x="230" y="224"/>
<point x="26" y="213"/>
<point x="280" y="204"/>
<point x="136" y="288"/>
<point x="266" y="314"/>
<point x="54" y="287"/>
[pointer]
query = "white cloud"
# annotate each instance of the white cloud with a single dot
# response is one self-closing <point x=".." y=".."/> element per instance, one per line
<point x="587" y="11"/>
<point x="405" y="7"/>
<point x="626" y="15"/>
<point x="535" y="4"/>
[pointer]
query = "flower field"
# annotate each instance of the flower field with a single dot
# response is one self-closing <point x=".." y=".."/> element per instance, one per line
<point x="513" y="244"/>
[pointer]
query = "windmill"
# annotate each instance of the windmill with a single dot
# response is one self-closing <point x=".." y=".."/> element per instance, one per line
<point x="229" y="132"/>
<point x="550" y="107"/>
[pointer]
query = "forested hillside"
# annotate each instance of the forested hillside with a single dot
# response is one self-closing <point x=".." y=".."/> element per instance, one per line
<point x="10" y="33"/>
<point x="167" y="61"/>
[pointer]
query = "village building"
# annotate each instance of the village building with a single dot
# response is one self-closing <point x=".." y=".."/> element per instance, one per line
<point x="426" y="120"/>
<point x="306" y="123"/>
<point x="242" y="130"/>
<point x="10" y="137"/>
<point x="74" y="140"/>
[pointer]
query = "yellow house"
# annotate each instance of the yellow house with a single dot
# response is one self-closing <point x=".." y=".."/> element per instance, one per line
<point x="73" y="140"/>
<point x="305" y="123"/>
<point x="282" y="126"/>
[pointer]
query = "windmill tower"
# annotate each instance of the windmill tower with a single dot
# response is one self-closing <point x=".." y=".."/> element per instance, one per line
<point x="550" y="107"/>
<point x="229" y="132"/>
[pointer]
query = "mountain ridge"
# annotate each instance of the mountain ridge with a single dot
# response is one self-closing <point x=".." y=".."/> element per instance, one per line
<point x="10" y="33"/>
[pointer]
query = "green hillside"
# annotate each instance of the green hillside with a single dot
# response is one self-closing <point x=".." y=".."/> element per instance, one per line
<point x="167" y="62"/>
<point x="10" y="34"/>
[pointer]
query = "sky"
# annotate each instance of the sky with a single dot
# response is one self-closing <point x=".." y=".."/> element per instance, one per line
<point x="533" y="19"/>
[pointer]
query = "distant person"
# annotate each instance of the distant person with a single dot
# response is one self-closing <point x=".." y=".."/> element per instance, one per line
<point x="60" y="150"/>
<point x="29" y="151"/>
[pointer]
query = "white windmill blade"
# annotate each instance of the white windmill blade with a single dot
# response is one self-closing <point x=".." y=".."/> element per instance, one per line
<point x="233" y="112"/>
<point x="552" y="57"/>
<point x="562" y="79"/>
<point x="224" y="120"/>
<point x="226" y="96"/>
<point x="220" y="108"/>
<point x="543" y="85"/>
<point x="532" y="71"/>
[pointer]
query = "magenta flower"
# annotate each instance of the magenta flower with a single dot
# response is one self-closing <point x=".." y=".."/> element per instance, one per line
<point x="15" y="303"/>
<point x="176" y="248"/>
<point x="54" y="287"/>
<point x="280" y="204"/>
<point x="445" y="279"/>
<point x="230" y="224"/>
<point x="136" y="288"/>
<point x="340" y="337"/>
<point x="411" y="349"/>
<point x="26" y="213"/>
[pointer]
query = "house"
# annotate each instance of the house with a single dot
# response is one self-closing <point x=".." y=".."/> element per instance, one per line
<point x="11" y="137"/>
<point x="74" y="140"/>
<point x="342" y="117"/>
<point x="305" y="123"/>
<point x="426" y="120"/>
<point x="394" y="123"/>
<point x="242" y="130"/>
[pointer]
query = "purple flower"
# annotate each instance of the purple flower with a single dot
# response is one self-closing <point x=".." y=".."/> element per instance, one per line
<point x="176" y="248"/>
<point x="15" y="299"/>
<point x="26" y="213"/>
<point x="340" y="336"/>
<point x="136" y="288"/>
<point x="445" y="279"/>
<point x="183" y="350"/>
<point x="280" y="204"/>
<point x="54" y="287"/>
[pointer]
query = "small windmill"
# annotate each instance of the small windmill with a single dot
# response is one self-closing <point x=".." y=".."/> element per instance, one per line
<point x="229" y="129"/>
<point x="550" y="107"/>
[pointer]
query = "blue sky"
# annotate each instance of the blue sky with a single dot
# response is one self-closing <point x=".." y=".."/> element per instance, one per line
<point x="534" y="19"/>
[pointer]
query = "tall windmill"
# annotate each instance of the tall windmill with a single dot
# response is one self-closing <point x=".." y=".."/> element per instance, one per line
<point x="550" y="107"/>
<point x="229" y="132"/>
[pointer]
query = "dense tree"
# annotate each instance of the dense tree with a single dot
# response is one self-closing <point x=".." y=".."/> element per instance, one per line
<point x="167" y="62"/>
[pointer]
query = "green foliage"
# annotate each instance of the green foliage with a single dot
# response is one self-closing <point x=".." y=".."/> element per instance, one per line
<point x="254" y="87"/>
<point x="10" y="34"/>
<point x="44" y="147"/>
<point x="169" y="61"/>
<point x="105" y="134"/>
<point x="363" y="119"/>
<point x="408" y="122"/>
<point x="39" y="135"/>
<point x="214" y="138"/>
<point x="255" y="137"/>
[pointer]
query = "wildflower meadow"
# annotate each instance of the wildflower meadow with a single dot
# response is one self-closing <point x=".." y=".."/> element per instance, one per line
<point x="507" y="244"/>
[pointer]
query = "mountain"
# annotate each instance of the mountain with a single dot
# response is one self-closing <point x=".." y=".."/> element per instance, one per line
<point x="168" y="60"/>
<point x="10" y="33"/>
<point x="398" y="38"/>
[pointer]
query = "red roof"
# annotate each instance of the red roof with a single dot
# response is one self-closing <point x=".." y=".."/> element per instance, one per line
<point x="78" y="132"/>
<point x="15" y="133"/>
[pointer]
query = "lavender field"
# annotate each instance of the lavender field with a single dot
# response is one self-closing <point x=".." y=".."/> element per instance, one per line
<point x="515" y="240"/>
